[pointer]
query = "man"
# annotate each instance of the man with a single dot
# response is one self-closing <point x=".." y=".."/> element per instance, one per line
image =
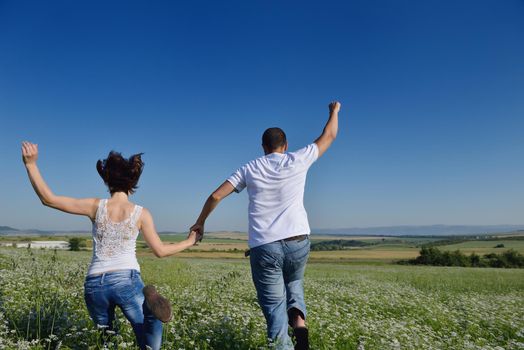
<point x="278" y="227"/>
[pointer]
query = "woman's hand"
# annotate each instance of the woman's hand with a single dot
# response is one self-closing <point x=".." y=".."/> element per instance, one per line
<point x="84" y="206"/>
<point x="199" y="229"/>
<point x="194" y="237"/>
<point x="29" y="152"/>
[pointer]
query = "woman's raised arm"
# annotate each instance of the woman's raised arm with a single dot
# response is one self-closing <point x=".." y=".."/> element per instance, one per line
<point x="84" y="206"/>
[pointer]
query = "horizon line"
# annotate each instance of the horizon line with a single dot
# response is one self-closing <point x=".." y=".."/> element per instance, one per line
<point x="312" y="230"/>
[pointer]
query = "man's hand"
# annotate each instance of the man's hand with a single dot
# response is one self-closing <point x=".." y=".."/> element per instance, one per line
<point x="29" y="152"/>
<point x="194" y="237"/>
<point x="334" y="107"/>
<point x="212" y="201"/>
<point x="199" y="229"/>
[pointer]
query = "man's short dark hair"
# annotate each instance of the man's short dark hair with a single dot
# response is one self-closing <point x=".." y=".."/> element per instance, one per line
<point x="273" y="138"/>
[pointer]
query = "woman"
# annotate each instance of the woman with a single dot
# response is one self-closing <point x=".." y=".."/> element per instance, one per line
<point x="113" y="278"/>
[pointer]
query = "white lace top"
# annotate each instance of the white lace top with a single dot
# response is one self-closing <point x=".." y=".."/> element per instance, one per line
<point x="114" y="243"/>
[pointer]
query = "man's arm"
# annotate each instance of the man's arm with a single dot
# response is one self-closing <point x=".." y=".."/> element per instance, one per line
<point x="211" y="203"/>
<point x="85" y="206"/>
<point x="329" y="134"/>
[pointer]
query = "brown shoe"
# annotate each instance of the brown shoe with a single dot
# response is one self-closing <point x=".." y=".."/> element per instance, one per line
<point x="160" y="307"/>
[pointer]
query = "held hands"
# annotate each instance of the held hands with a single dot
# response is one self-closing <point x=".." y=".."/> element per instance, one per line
<point x="334" y="107"/>
<point x="199" y="229"/>
<point x="194" y="237"/>
<point x="29" y="152"/>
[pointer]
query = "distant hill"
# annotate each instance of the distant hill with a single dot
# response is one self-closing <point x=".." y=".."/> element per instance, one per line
<point x="431" y="230"/>
<point x="10" y="231"/>
<point x="7" y="228"/>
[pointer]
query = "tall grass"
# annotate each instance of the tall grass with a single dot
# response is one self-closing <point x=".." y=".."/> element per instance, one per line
<point x="349" y="306"/>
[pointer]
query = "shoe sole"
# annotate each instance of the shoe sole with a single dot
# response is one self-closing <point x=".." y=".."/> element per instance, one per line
<point x="160" y="307"/>
<point x="301" y="335"/>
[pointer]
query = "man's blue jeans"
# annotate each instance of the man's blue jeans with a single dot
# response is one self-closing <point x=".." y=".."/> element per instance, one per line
<point x="122" y="288"/>
<point x="278" y="272"/>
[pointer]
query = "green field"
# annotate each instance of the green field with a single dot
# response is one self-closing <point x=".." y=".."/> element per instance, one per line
<point x="485" y="247"/>
<point x="231" y="245"/>
<point x="351" y="305"/>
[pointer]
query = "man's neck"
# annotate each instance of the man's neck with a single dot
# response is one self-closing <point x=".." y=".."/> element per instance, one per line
<point x="280" y="150"/>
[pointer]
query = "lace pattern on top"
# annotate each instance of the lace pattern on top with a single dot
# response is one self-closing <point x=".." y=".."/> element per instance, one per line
<point x="114" y="238"/>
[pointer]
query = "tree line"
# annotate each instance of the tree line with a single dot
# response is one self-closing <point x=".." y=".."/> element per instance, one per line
<point x="338" y="244"/>
<point x="436" y="257"/>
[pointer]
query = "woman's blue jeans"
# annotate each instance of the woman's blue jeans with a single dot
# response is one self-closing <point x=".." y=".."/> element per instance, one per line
<point x="122" y="288"/>
<point x="278" y="272"/>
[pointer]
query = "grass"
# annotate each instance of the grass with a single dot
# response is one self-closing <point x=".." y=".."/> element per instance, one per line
<point x="351" y="305"/>
<point x="485" y="247"/>
<point x="386" y="255"/>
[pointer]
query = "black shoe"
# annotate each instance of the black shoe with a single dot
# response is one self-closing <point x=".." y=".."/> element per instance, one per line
<point x="302" y="337"/>
<point x="160" y="307"/>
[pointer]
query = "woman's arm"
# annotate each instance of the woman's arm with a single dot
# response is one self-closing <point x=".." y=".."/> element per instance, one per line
<point x="85" y="206"/>
<point x="159" y="248"/>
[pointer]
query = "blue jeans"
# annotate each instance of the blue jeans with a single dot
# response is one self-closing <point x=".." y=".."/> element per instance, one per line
<point x="122" y="288"/>
<point x="278" y="272"/>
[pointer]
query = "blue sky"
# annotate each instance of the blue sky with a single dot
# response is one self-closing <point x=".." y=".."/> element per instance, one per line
<point x="430" y="129"/>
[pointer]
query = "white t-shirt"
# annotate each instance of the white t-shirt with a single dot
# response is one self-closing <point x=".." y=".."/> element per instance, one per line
<point x="275" y="185"/>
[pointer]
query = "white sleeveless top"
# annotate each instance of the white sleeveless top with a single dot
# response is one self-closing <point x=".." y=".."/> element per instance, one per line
<point x="114" y="243"/>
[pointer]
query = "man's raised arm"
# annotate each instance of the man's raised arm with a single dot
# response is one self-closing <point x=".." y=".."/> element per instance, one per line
<point x="329" y="134"/>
